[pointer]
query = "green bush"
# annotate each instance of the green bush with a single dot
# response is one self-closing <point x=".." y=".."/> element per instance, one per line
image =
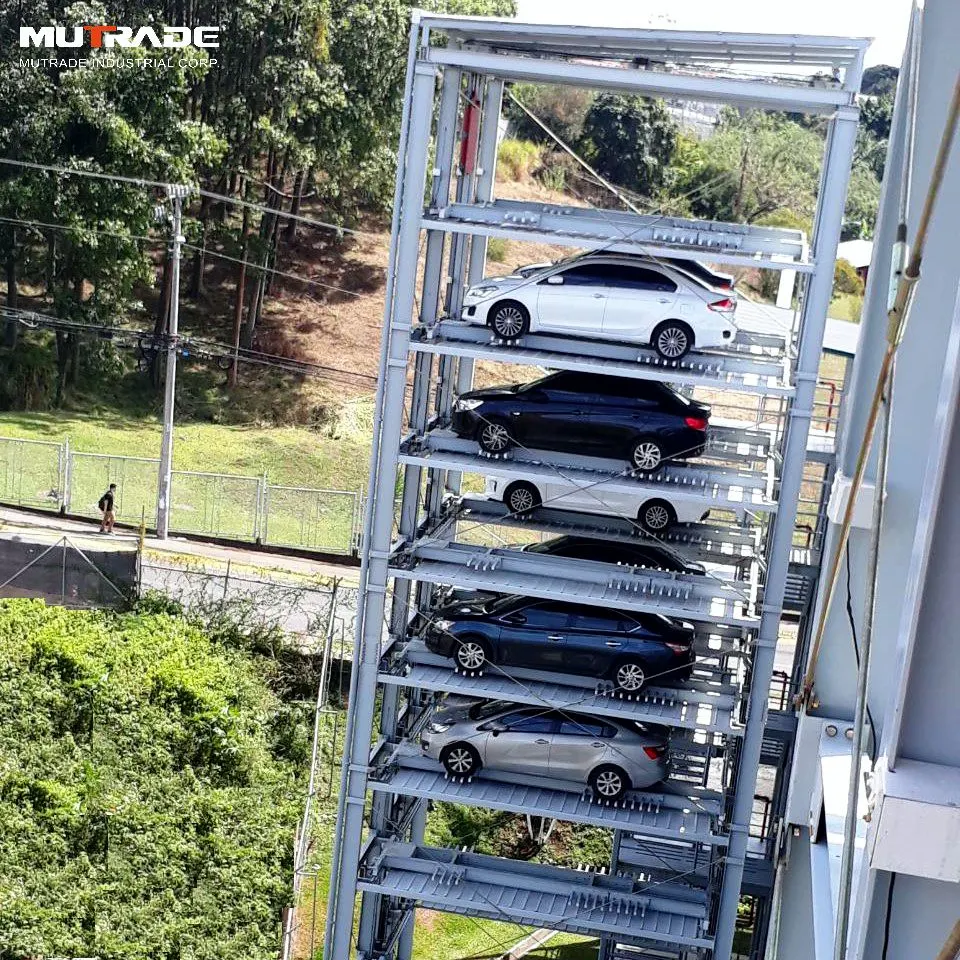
<point x="148" y="797"/>
<point x="497" y="249"/>
<point x="517" y="159"/>
<point x="846" y="279"/>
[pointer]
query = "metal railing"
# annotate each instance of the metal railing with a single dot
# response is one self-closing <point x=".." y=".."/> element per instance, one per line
<point x="40" y="473"/>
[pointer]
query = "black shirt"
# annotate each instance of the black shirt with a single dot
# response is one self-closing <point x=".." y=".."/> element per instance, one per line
<point x="107" y="500"/>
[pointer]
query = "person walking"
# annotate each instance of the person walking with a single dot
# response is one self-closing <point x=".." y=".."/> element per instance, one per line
<point x="106" y="508"/>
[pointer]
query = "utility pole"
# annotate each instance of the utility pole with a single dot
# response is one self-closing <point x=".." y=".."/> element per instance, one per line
<point x="176" y="194"/>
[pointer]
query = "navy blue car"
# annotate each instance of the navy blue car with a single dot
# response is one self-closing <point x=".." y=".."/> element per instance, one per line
<point x="641" y="421"/>
<point x="629" y="649"/>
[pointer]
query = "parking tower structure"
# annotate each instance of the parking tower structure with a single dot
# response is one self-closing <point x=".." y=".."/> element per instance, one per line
<point x="680" y="856"/>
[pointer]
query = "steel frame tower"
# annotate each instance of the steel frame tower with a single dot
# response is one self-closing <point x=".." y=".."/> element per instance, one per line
<point x="680" y="855"/>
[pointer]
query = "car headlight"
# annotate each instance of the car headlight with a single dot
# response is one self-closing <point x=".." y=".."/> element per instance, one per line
<point x="486" y="291"/>
<point x="467" y="404"/>
<point x="437" y="727"/>
<point x="442" y="625"/>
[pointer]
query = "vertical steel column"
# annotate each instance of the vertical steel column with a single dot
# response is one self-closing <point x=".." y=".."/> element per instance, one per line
<point x="833" y="190"/>
<point x="374" y="588"/>
<point x="370" y="912"/>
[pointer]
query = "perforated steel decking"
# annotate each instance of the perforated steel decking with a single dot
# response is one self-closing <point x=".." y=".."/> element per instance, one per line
<point x="536" y="894"/>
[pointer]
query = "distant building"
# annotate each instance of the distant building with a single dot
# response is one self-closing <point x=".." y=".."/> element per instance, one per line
<point x="858" y="253"/>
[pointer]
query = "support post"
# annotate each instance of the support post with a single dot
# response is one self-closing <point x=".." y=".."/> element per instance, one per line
<point x="176" y="194"/>
<point x="833" y="190"/>
<point x="374" y="586"/>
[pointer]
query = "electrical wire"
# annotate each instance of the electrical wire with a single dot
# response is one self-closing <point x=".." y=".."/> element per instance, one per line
<point x="856" y="653"/>
<point x="888" y="916"/>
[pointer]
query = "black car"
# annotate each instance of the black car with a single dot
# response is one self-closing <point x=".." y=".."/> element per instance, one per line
<point x="641" y="421"/>
<point x="629" y="649"/>
<point x="641" y="553"/>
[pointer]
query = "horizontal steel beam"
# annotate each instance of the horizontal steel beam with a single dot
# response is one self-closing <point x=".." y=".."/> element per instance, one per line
<point x="536" y="894"/>
<point x="735" y="370"/>
<point x="613" y="231"/>
<point x="402" y="770"/>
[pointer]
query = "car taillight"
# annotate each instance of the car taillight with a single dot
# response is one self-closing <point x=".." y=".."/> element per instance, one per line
<point x="722" y="306"/>
<point x="654" y="753"/>
<point x="678" y="648"/>
<point x="696" y="423"/>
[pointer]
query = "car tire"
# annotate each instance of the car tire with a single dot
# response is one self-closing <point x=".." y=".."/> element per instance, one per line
<point x="460" y="760"/>
<point x="609" y="783"/>
<point x="471" y="654"/>
<point x="629" y="676"/>
<point x="509" y="319"/>
<point x="656" y="516"/>
<point x="494" y="437"/>
<point x="672" y="340"/>
<point x="521" y="497"/>
<point x="646" y="455"/>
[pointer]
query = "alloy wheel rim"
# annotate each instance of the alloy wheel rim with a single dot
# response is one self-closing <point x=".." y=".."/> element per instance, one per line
<point x="521" y="501"/>
<point x="657" y="517"/>
<point x="609" y="783"/>
<point x="672" y="342"/>
<point x="460" y="760"/>
<point x="646" y="456"/>
<point x="470" y="656"/>
<point x="495" y="437"/>
<point x="508" y="322"/>
<point x="630" y="676"/>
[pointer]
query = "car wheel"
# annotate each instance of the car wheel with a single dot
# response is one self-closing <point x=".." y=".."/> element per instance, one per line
<point x="646" y="455"/>
<point x="521" y="497"/>
<point x="655" y="516"/>
<point x="609" y="783"/>
<point x="494" y="437"/>
<point x="471" y="654"/>
<point x="672" y="339"/>
<point x="629" y="676"/>
<point x="509" y="320"/>
<point x="460" y="760"/>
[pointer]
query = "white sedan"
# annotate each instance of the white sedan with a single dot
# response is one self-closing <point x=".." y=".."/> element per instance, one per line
<point x="654" y="514"/>
<point x="609" y="297"/>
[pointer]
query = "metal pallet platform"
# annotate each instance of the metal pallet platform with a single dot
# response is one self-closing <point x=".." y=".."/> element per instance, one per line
<point x="619" y="231"/>
<point x="714" y="488"/>
<point x="500" y="570"/>
<point x="536" y="894"/>
<point x="684" y="709"/>
<point x="747" y="369"/>
<point x="403" y="770"/>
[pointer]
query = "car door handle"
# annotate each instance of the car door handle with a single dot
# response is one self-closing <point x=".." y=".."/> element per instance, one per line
<point x="541" y="740"/>
<point x="599" y="296"/>
<point x="596" y="744"/>
<point x="555" y="636"/>
<point x="614" y="643"/>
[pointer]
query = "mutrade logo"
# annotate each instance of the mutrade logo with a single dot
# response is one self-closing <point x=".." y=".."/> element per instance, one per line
<point x="108" y="36"/>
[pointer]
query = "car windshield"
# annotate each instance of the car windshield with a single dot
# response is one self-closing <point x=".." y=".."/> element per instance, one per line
<point x="487" y="709"/>
<point x="501" y="603"/>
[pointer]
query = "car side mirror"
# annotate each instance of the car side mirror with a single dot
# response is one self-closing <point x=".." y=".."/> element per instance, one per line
<point x="555" y="280"/>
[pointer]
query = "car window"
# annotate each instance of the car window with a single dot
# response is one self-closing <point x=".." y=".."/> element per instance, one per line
<point x="575" y="727"/>
<point x="639" y="278"/>
<point x="598" y="620"/>
<point x="526" y="723"/>
<point x="586" y="274"/>
<point x="571" y="382"/>
<point x="548" y="615"/>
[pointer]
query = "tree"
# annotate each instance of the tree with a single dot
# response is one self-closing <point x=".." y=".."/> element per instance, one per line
<point x="873" y="134"/>
<point x="562" y="108"/>
<point x="630" y="140"/>
<point x="879" y="80"/>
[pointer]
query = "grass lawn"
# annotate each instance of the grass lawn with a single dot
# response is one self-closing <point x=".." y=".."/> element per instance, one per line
<point x="289" y="456"/>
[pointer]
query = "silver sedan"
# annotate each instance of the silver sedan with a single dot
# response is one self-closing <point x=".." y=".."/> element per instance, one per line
<point x="611" y="755"/>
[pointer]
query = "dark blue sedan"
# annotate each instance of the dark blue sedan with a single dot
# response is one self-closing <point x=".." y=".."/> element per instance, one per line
<point x="629" y="649"/>
<point x="641" y="421"/>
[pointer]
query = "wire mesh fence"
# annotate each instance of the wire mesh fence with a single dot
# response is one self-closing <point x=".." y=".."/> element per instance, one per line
<point x="219" y="505"/>
<point x="30" y="472"/>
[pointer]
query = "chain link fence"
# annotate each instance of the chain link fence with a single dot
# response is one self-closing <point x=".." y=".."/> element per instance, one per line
<point x="50" y="475"/>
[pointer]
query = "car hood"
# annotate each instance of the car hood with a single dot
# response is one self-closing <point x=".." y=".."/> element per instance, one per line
<point x="454" y="709"/>
<point x="463" y="605"/>
<point x="491" y="393"/>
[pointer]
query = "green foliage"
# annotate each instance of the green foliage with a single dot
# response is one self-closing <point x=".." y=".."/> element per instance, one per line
<point x="497" y="249"/>
<point x="517" y="159"/>
<point x="562" y="108"/>
<point x="148" y="790"/>
<point x="630" y="140"/>
<point x="879" y="80"/>
<point x="846" y="306"/>
<point x="845" y="278"/>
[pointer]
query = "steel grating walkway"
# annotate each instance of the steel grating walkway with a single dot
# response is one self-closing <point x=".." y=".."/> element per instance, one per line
<point x="744" y="368"/>
<point x="536" y="894"/>
<point x="500" y="570"/>
<point x="404" y="771"/>
<point x="619" y="231"/>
